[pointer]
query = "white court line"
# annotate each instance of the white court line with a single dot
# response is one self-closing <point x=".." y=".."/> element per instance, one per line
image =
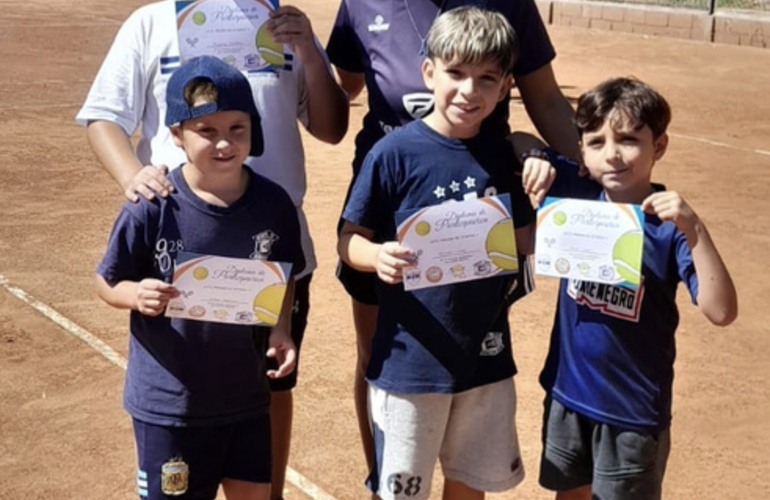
<point x="298" y="480"/>
<point x="720" y="144"/>
<point x="90" y="339"/>
<point x="303" y="484"/>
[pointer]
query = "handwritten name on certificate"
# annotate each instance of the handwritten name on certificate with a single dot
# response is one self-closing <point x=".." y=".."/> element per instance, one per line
<point x="458" y="241"/>
<point x="228" y="290"/>
<point x="232" y="30"/>
<point x="590" y="240"/>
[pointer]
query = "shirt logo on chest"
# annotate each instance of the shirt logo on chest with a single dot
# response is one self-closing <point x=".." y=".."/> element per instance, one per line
<point x="379" y="24"/>
<point x="417" y="104"/>
<point x="165" y="253"/>
<point x="263" y="245"/>
<point x="616" y="301"/>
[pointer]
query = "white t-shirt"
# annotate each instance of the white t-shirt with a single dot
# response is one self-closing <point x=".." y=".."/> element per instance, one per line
<point x="130" y="90"/>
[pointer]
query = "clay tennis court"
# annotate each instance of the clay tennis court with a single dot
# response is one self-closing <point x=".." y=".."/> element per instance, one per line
<point x="63" y="433"/>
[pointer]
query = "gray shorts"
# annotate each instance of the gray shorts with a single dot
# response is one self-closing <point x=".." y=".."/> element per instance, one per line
<point x="472" y="434"/>
<point x="618" y="464"/>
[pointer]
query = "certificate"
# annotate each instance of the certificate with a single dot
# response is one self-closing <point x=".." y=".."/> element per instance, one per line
<point x="458" y="241"/>
<point x="232" y="30"/>
<point x="228" y="290"/>
<point x="590" y="241"/>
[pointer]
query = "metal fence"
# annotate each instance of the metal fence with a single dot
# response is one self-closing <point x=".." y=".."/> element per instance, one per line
<point x="712" y="6"/>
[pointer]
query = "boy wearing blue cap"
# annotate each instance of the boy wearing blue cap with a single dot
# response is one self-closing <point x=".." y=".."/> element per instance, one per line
<point x="197" y="391"/>
<point x="127" y="99"/>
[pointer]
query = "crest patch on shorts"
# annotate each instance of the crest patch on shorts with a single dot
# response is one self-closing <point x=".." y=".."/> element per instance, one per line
<point x="174" y="478"/>
<point x="493" y="344"/>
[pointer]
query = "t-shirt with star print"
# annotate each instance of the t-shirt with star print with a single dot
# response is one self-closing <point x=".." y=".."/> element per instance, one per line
<point x="437" y="339"/>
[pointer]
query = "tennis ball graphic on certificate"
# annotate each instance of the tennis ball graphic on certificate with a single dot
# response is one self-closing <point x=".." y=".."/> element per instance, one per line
<point x="232" y="30"/>
<point x="501" y="246"/>
<point x="626" y="256"/>
<point x="267" y="303"/>
<point x="458" y="241"/>
<point x="228" y="290"/>
<point x="200" y="273"/>
<point x="199" y="18"/>
<point x="590" y="241"/>
<point x="422" y="228"/>
<point x="270" y="50"/>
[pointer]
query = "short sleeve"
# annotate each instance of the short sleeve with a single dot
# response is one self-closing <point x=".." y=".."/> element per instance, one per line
<point x="685" y="266"/>
<point x="344" y="47"/>
<point x="298" y="257"/>
<point x="535" y="47"/>
<point x="366" y="204"/>
<point x="118" y="92"/>
<point x="129" y="252"/>
<point x="568" y="182"/>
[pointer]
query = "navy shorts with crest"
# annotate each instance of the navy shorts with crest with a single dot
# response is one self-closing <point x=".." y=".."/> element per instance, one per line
<point x="190" y="462"/>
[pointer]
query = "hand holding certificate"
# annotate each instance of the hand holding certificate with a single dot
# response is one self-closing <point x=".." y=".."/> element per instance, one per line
<point x="228" y="290"/>
<point x="458" y="241"/>
<point x="232" y="30"/>
<point x="590" y="240"/>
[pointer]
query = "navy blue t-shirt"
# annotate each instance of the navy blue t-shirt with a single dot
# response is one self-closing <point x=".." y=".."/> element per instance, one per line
<point x="192" y="373"/>
<point x="378" y="38"/>
<point x="453" y="337"/>
<point x="612" y="350"/>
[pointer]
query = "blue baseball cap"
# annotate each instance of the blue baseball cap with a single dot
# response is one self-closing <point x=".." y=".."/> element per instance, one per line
<point x="234" y="95"/>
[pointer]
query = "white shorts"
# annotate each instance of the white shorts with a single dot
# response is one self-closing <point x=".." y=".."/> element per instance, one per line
<point x="473" y="433"/>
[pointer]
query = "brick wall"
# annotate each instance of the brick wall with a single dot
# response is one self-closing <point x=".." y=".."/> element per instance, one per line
<point x="737" y="28"/>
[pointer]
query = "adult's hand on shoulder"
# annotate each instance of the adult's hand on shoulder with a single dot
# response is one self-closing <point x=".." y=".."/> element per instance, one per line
<point x="149" y="182"/>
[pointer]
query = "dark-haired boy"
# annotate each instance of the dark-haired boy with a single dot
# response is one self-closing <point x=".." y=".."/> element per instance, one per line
<point x="609" y="371"/>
